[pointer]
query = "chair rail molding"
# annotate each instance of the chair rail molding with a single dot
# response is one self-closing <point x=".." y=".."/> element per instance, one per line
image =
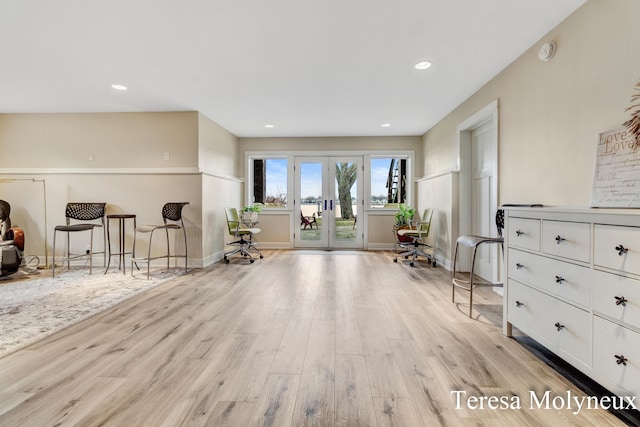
<point x="100" y="171"/>
<point x="437" y="175"/>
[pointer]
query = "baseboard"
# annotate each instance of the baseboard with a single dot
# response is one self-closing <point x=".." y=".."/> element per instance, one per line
<point x="380" y="247"/>
<point x="212" y="259"/>
<point x="274" y="245"/>
<point x="443" y="262"/>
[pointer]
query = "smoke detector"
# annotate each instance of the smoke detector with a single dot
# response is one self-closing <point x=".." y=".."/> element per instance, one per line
<point x="547" y="51"/>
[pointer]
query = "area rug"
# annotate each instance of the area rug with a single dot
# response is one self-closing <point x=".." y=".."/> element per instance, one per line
<point x="34" y="305"/>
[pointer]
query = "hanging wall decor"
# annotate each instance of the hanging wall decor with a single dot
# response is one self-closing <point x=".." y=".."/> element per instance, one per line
<point x="616" y="180"/>
<point x="633" y="124"/>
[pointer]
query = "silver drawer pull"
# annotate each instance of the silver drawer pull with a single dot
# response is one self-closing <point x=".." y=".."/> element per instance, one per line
<point x="559" y="326"/>
<point x="621" y="360"/>
<point x="559" y="279"/>
<point x="520" y="232"/>
<point x="519" y="266"/>
<point x="559" y="239"/>
<point x="621" y="301"/>
<point x="621" y="250"/>
<point x="519" y="304"/>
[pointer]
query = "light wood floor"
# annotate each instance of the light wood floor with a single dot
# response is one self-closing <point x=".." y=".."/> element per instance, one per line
<point x="298" y="338"/>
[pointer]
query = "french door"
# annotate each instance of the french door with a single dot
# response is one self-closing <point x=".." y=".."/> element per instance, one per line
<point x="328" y="197"/>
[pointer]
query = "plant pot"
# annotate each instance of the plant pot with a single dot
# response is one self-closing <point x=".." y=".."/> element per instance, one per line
<point x="403" y="239"/>
<point x="249" y="217"/>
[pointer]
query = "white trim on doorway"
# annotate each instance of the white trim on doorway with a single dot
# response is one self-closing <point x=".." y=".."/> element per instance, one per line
<point x="488" y="114"/>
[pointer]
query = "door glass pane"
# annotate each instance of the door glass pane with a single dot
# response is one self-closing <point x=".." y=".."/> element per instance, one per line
<point x="311" y="201"/>
<point x="345" y="208"/>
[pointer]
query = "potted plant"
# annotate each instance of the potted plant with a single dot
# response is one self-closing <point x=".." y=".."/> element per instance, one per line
<point x="250" y="213"/>
<point x="403" y="218"/>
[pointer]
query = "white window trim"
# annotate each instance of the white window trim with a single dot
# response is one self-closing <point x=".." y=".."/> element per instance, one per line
<point x="401" y="154"/>
<point x="250" y="156"/>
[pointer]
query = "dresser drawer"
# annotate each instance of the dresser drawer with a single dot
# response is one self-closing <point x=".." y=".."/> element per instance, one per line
<point x="566" y="280"/>
<point x="524" y="233"/>
<point x="522" y="305"/>
<point x="617" y="247"/>
<point x="618" y="297"/>
<point x="559" y="326"/>
<point x="568" y="329"/>
<point x="611" y="340"/>
<point x="567" y="239"/>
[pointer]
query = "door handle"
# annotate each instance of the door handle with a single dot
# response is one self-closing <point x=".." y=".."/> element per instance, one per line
<point x="325" y="204"/>
<point x="331" y="204"/>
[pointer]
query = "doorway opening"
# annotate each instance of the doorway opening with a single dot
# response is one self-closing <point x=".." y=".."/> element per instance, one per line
<point x="478" y="142"/>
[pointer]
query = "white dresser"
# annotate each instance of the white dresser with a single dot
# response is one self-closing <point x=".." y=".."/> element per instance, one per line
<point x="573" y="285"/>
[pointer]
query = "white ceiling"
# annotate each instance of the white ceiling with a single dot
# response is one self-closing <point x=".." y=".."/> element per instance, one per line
<point x="309" y="67"/>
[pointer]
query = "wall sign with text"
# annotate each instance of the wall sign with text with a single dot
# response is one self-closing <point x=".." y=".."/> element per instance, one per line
<point x="616" y="181"/>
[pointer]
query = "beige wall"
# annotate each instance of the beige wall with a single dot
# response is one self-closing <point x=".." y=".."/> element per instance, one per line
<point x="379" y="227"/>
<point x="217" y="193"/>
<point x="129" y="172"/>
<point x="551" y="113"/>
<point x="441" y="191"/>
<point x="217" y="148"/>
<point x="122" y="140"/>
<point x="221" y="185"/>
<point x="334" y="145"/>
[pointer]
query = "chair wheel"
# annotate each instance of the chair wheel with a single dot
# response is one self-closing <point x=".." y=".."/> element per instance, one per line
<point x="252" y="260"/>
<point x="226" y="260"/>
<point x="395" y="260"/>
<point x="406" y="257"/>
<point x="434" y="263"/>
<point x="261" y="256"/>
<point x="411" y="264"/>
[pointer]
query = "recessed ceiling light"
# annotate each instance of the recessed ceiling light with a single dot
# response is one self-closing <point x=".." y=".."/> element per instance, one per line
<point x="386" y="125"/>
<point x="119" y="87"/>
<point x="269" y="126"/>
<point x="423" y="65"/>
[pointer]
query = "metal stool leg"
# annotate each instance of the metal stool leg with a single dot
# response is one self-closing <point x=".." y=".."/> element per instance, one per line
<point x="91" y="253"/>
<point x="53" y="267"/>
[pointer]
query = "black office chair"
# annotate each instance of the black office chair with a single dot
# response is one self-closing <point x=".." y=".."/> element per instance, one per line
<point x="87" y="214"/>
<point x="172" y="220"/>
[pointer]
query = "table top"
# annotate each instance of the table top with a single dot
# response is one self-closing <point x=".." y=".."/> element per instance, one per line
<point x="121" y="216"/>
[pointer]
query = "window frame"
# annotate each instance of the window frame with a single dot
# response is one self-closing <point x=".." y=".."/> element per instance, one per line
<point x="249" y="187"/>
<point x="408" y="155"/>
<point x="400" y="154"/>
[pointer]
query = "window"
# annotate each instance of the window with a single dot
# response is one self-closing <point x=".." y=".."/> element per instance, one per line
<point x="270" y="181"/>
<point x="388" y="181"/>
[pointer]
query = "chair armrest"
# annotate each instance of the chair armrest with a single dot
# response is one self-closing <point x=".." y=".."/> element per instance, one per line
<point x="415" y="224"/>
